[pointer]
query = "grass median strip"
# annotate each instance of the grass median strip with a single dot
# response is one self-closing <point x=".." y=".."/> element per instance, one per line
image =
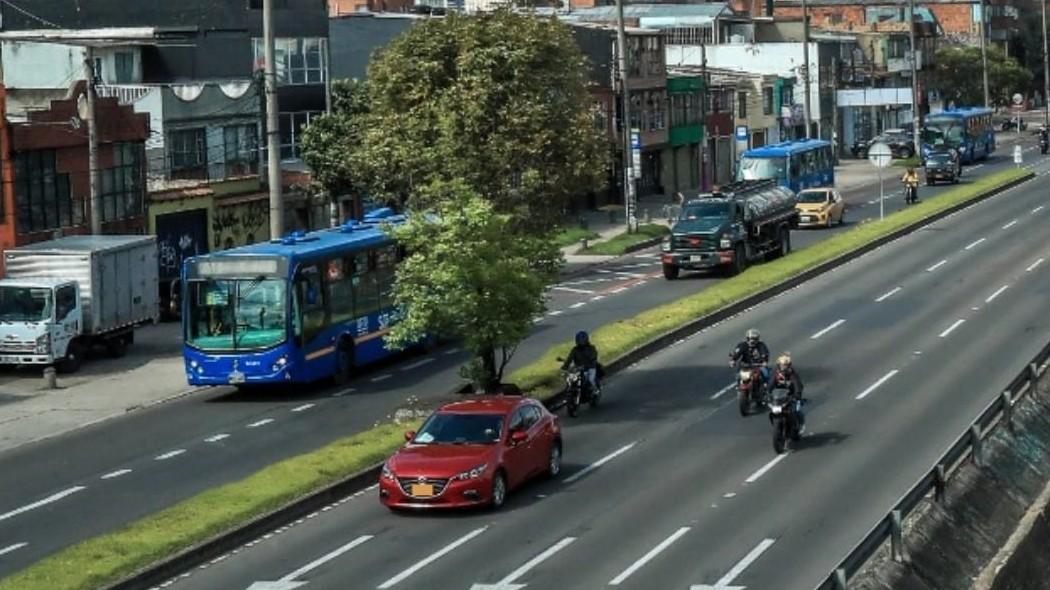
<point x="542" y="379"/>
<point x="619" y="244"/>
<point x="572" y="235"/>
<point x="109" y="558"/>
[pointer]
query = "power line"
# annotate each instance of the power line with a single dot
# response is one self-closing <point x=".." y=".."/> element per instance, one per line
<point x="30" y="14"/>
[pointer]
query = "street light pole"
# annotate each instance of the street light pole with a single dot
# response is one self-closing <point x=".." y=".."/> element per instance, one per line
<point x="273" y="131"/>
<point x="625" y="116"/>
<point x="984" y="55"/>
<point x="915" y="103"/>
<point x="1046" y="71"/>
<point x="805" y="66"/>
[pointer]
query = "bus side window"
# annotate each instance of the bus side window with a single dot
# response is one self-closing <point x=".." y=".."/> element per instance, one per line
<point x="308" y="289"/>
<point x="386" y="266"/>
<point x="366" y="294"/>
<point x="341" y="290"/>
<point x="794" y="168"/>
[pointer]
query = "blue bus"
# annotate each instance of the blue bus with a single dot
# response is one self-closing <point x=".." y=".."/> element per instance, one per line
<point x="796" y="165"/>
<point x="295" y="310"/>
<point x="968" y="130"/>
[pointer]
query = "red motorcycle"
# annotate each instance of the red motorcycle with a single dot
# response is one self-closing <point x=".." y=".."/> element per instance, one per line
<point x="750" y="388"/>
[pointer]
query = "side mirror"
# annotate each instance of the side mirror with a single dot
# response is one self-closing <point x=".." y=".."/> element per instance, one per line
<point x="410" y="435"/>
<point x="518" y="436"/>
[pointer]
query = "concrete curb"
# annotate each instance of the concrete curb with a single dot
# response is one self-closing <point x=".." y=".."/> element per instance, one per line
<point x="226" y="542"/>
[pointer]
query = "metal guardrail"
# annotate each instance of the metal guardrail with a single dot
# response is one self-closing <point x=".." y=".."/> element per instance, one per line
<point x="969" y="445"/>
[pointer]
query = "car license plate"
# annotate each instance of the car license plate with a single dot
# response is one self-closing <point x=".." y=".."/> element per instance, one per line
<point x="422" y="490"/>
<point x="9" y="360"/>
<point x="236" y="377"/>
<point x="696" y="259"/>
<point x="807" y="218"/>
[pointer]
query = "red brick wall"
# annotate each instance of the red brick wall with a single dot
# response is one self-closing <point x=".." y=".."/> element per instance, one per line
<point x="954" y="18"/>
<point x="340" y="7"/>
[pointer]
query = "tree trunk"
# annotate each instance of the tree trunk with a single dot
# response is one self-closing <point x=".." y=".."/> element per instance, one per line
<point x="490" y="379"/>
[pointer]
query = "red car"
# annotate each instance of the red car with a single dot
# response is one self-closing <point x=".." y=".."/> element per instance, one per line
<point x="471" y="453"/>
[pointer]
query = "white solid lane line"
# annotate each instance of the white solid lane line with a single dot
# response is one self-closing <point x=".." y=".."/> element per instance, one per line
<point x="834" y="325"/>
<point x="649" y="556"/>
<point x="419" y="363"/>
<point x="876" y="385"/>
<point x="1037" y="209"/>
<point x="599" y="463"/>
<point x="723" y="391"/>
<point x="597" y="297"/>
<point x="169" y="455"/>
<point x="1034" y="264"/>
<point x="765" y="468"/>
<point x="116" y="473"/>
<point x="936" y="266"/>
<point x="535" y="561"/>
<point x="1011" y="224"/>
<point x="48" y="500"/>
<point x="996" y="294"/>
<point x="744" y="563"/>
<point x="578" y="305"/>
<point x="381" y="378"/>
<point x="303" y="408"/>
<point x="974" y="243"/>
<point x="432" y="558"/>
<point x="951" y="328"/>
<point x="262" y="422"/>
<point x="217" y="437"/>
<point x="572" y="290"/>
<point x="11" y="548"/>
<point x="326" y="558"/>
<point x="556" y="312"/>
<point x="887" y="295"/>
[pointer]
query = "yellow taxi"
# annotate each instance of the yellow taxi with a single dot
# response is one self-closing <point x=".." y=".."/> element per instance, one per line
<point x="820" y="207"/>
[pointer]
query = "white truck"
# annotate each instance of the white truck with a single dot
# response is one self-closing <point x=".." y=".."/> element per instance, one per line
<point x="61" y="298"/>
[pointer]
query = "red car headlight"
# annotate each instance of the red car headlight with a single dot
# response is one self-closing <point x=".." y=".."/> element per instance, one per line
<point x="473" y="473"/>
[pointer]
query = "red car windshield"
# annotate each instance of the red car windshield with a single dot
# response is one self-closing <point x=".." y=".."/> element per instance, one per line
<point x="460" y="429"/>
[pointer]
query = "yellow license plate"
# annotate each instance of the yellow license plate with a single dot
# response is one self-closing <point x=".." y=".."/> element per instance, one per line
<point x="422" y="490"/>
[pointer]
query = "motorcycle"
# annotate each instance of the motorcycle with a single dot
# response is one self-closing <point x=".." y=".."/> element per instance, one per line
<point x="749" y="388"/>
<point x="783" y="415"/>
<point x="911" y="194"/>
<point x="578" y="391"/>
<point x="1044" y="145"/>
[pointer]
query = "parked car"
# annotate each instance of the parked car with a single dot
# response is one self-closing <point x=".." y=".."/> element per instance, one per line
<point x="820" y="207"/>
<point x="473" y="453"/>
<point x="942" y="166"/>
<point x="899" y="141"/>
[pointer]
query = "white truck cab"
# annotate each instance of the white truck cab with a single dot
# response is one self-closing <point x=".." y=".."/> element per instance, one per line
<point x="39" y="318"/>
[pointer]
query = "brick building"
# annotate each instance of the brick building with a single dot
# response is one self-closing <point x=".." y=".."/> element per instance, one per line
<point x="45" y="166"/>
<point x="345" y="7"/>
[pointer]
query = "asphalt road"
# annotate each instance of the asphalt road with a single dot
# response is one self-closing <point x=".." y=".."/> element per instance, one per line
<point x="96" y="479"/>
<point x="900" y="350"/>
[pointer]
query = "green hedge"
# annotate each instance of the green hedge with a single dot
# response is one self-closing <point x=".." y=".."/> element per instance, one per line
<point x="542" y="378"/>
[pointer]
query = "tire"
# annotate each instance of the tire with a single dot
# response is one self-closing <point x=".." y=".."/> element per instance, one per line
<point x="73" y="359"/>
<point x="907" y="153"/>
<point x="344" y="360"/>
<point x="779" y="440"/>
<point x="671" y="272"/>
<point x="842" y="217"/>
<point x="572" y="404"/>
<point x="117" y="347"/>
<point x="499" y="490"/>
<point x="743" y="403"/>
<point x="554" y="459"/>
<point x="827" y="225"/>
<point x="929" y="183"/>
<point x="739" y="263"/>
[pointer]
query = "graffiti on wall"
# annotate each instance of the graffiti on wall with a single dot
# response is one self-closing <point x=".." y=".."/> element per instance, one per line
<point x="240" y="224"/>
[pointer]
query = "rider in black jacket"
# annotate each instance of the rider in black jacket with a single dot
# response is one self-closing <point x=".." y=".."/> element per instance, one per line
<point x="584" y="356"/>
<point x="752" y="351"/>
<point x="787" y="377"/>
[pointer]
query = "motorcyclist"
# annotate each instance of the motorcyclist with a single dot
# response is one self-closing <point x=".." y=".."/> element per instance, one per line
<point x="584" y="356"/>
<point x="1044" y="138"/>
<point x="788" y="378"/>
<point x="911" y="183"/>
<point x="752" y="351"/>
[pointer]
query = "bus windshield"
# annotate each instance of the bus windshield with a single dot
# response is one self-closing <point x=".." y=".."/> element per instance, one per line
<point x="752" y="168"/>
<point x="236" y="314"/>
<point x="948" y="132"/>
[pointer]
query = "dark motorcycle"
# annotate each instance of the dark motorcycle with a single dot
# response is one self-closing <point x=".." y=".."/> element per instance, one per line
<point x="750" y="389"/>
<point x="911" y="194"/>
<point x="578" y="391"/>
<point x="1044" y="145"/>
<point x="783" y="415"/>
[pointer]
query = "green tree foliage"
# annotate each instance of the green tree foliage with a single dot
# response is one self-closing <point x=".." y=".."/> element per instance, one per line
<point x="959" y="77"/>
<point x="469" y="276"/>
<point x="499" y="101"/>
<point x="330" y="139"/>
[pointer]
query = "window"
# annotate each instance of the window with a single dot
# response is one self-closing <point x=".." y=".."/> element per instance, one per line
<point x="123" y="67"/>
<point x="655" y="110"/>
<point x="65" y="301"/>
<point x="188" y="153"/>
<point x="680" y="109"/>
<point x="311" y="299"/>
<point x="767" y="100"/>
<point x="532" y="415"/>
<point x="241" y="150"/>
<point x="741" y="105"/>
<point x="122" y="185"/>
<point x="366" y="292"/>
<point x="386" y="266"/>
<point x="297" y="61"/>
<point x="42" y="195"/>
<point x="292" y="127"/>
<point x="636" y="110"/>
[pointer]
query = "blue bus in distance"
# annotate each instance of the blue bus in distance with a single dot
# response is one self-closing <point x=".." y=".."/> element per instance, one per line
<point x="306" y="307"/>
<point x="968" y="130"/>
<point x="797" y="165"/>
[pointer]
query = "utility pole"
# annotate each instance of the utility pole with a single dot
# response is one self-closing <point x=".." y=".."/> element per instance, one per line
<point x="805" y="66"/>
<point x="273" y="131"/>
<point x="93" y="207"/>
<point x="625" y="117"/>
<point x="916" y="116"/>
<point x="1046" y="71"/>
<point x="984" y="54"/>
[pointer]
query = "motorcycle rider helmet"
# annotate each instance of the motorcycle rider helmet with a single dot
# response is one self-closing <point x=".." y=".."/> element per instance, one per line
<point x="582" y="338"/>
<point x="752" y="336"/>
<point x="784" y="361"/>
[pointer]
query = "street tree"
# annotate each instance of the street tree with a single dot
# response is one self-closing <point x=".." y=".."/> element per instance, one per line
<point x="469" y="276"/>
<point x="958" y="76"/>
<point x="499" y="101"/>
<point x="329" y="140"/>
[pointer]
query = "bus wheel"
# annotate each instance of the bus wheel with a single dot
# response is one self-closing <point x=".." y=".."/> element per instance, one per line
<point x="344" y="363"/>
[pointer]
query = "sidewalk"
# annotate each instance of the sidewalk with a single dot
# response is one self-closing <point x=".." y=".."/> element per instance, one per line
<point x="655" y="207"/>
